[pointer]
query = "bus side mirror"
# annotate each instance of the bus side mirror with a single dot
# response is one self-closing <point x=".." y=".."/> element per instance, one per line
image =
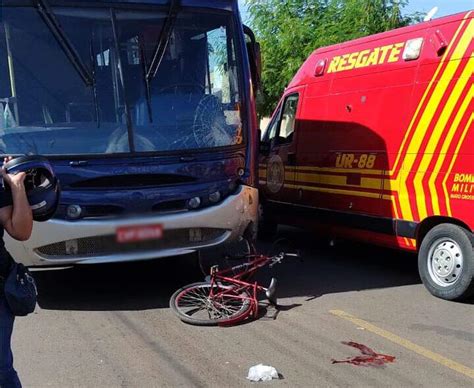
<point x="258" y="60"/>
<point x="255" y="57"/>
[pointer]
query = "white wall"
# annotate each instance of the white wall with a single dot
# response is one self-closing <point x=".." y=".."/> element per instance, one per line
<point x="264" y="123"/>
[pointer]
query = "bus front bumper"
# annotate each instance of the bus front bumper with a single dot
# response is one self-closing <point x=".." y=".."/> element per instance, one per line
<point x="63" y="243"/>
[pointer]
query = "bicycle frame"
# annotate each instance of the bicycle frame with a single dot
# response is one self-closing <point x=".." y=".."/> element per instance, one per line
<point x="256" y="262"/>
<point x="227" y="296"/>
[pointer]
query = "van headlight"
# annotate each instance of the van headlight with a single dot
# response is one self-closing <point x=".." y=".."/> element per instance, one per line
<point x="412" y="49"/>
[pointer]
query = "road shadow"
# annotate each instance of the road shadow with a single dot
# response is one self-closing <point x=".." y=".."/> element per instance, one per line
<point x="348" y="266"/>
<point x="110" y="287"/>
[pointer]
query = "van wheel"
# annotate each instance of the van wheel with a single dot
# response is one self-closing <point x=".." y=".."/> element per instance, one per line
<point x="267" y="227"/>
<point x="446" y="262"/>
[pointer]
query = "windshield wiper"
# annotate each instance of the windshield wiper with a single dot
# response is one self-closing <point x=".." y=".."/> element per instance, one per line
<point x="67" y="46"/>
<point x="131" y="139"/>
<point x="164" y="39"/>
<point x="159" y="52"/>
<point x="50" y="20"/>
<point x="94" y="89"/>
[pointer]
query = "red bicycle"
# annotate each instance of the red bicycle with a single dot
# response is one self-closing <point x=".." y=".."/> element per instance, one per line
<point x="227" y="298"/>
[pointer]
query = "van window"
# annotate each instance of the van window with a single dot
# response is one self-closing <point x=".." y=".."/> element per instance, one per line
<point x="288" y="119"/>
<point x="271" y="131"/>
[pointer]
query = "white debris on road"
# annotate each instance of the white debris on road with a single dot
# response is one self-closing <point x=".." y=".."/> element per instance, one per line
<point x="262" y="372"/>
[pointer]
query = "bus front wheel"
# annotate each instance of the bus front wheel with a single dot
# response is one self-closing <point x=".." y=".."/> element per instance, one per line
<point x="446" y="262"/>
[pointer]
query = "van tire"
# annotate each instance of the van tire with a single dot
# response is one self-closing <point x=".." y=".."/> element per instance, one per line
<point x="267" y="227"/>
<point x="446" y="262"/>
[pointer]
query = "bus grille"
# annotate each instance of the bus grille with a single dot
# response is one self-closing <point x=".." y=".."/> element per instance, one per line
<point x="107" y="245"/>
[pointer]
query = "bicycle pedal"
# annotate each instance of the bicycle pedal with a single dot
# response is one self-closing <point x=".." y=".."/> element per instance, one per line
<point x="271" y="292"/>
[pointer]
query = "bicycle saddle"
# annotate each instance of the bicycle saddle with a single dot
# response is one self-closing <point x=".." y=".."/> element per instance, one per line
<point x="271" y="292"/>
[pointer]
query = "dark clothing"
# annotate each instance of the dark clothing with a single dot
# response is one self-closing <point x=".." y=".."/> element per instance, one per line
<point x="8" y="375"/>
<point x="5" y="200"/>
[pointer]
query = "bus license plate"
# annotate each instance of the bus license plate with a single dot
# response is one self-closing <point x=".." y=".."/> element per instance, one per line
<point x="130" y="234"/>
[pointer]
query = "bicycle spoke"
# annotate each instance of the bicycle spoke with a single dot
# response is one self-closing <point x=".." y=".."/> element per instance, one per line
<point x="227" y="310"/>
<point x="192" y="312"/>
<point x="192" y="298"/>
<point x="224" y="303"/>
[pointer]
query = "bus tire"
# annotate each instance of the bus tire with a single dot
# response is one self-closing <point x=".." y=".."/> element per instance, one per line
<point x="267" y="227"/>
<point x="446" y="262"/>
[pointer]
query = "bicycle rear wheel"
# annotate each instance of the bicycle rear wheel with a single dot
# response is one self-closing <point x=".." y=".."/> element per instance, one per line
<point x="194" y="304"/>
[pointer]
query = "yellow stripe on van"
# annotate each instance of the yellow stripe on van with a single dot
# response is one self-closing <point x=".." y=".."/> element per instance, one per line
<point x="420" y="132"/>
<point x="365" y="171"/>
<point x="447" y="142"/>
<point x="443" y="119"/>
<point x="440" y="127"/>
<point x="334" y="191"/>
<point x="427" y="92"/>
<point x="456" y="152"/>
<point x="338" y="180"/>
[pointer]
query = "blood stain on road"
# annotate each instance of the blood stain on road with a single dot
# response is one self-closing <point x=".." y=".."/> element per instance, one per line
<point x="368" y="357"/>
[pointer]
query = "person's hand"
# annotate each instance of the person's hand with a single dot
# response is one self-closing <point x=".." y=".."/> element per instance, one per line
<point x="15" y="181"/>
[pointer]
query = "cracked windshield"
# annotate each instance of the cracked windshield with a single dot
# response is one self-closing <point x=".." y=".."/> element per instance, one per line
<point x="95" y="81"/>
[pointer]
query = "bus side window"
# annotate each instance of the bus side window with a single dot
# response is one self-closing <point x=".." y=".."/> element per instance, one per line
<point x="288" y="119"/>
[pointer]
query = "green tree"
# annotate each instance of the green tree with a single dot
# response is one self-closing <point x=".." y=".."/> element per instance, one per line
<point x="290" y="30"/>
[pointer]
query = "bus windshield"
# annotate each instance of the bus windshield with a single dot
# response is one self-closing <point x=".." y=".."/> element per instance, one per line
<point x="49" y="106"/>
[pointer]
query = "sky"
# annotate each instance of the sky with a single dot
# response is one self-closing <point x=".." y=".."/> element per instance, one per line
<point x="446" y="7"/>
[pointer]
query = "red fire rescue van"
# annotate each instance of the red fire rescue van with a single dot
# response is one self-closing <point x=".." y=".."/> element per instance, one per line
<point x="373" y="139"/>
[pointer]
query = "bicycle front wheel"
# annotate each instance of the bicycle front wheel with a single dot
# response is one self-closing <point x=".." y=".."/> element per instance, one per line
<point x="205" y="305"/>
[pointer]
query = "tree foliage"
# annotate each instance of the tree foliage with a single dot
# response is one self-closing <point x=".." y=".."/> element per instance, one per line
<point x="290" y="30"/>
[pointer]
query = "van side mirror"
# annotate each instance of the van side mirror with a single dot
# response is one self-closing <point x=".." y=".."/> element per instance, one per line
<point x="255" y="57"/>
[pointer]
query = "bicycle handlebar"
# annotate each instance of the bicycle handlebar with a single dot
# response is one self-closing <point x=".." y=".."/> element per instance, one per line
<point x="267" y="260"/>
<point x="277" y="259"/>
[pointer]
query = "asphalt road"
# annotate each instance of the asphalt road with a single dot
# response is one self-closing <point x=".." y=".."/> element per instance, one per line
<point x="110" y="326"/>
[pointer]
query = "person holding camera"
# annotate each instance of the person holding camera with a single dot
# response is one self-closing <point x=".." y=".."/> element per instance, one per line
<point x="17" y="219"/>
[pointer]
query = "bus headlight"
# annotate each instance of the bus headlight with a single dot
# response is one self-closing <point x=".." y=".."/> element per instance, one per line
<point x="215" y="197"/>
<point x="194" y="203"/>
<point x="73" y="212"/>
